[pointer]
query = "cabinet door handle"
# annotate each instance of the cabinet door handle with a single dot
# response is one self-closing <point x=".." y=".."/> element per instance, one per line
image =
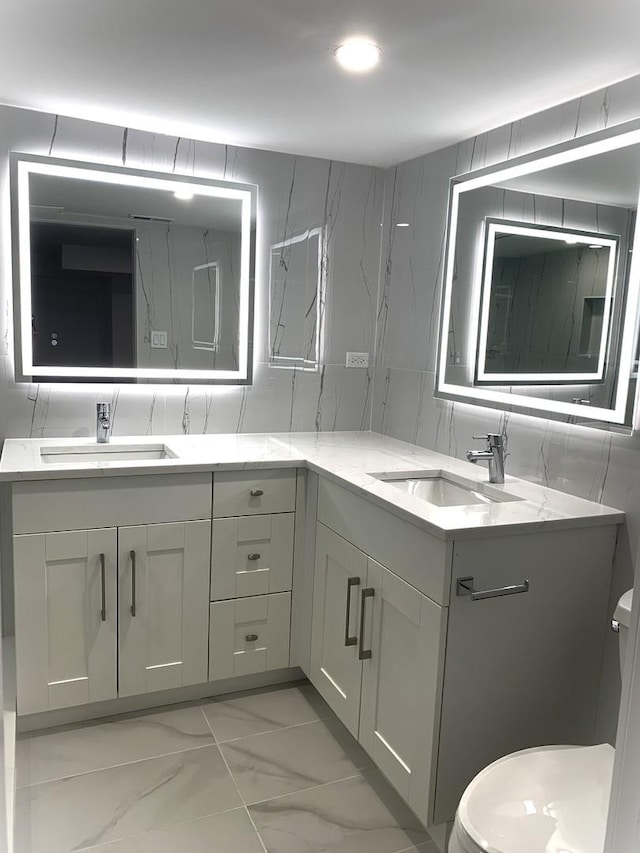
<point x="364" y="654"/>
<point x="132" y="554"/>
<point x="349" y="641"/>
<point x="256" y="493"/>
<point x="464" y="586"/>
<point x="253" y="557"/>
<point x="103" y="583"/>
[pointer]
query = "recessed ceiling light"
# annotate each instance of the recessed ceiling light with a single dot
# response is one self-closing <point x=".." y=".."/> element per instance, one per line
<point x="358" y="54"/>
<point x="183" y="194"/>
<point x="402" y="224"/>
<point x="595" y="246"/>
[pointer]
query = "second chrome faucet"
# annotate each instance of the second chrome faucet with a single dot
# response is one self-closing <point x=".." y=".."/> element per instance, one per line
<point x="494" y="455"/>
<point x="103" y="422"/>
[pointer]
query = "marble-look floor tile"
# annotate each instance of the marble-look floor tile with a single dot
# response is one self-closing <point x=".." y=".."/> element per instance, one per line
<point x="288" y="760"/>
<point x="359" y="815"/>
<point x="265" y="710"/>
<point x="44" y="756"/>
<point x="93" y="808"/>
<point x="230" y="832"/>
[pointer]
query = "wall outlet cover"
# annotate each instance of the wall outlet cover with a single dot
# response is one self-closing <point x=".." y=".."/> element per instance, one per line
<point x="357" y="359"/>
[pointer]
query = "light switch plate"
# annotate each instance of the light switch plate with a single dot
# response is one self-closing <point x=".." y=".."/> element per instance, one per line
<point x="159" y="340"/>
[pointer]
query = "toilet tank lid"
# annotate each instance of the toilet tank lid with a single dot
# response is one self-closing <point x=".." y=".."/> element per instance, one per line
<point x="622" y="612"/>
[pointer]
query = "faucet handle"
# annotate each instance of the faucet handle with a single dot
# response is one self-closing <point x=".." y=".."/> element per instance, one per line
<point x="493" y="439"/>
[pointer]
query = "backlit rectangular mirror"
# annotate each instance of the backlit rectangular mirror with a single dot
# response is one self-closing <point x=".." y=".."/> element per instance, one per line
<point x="541" y="283"/>
<point x="128" y="275"/>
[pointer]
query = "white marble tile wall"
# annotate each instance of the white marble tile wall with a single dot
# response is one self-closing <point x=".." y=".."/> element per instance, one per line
<point x="295" y="193"/>
<point x="597" y="465"/>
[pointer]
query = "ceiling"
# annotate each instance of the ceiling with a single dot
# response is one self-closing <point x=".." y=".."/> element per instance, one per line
<point x="261" y="73"/>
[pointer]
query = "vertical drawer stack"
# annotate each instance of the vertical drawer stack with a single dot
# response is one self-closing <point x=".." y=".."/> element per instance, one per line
<point x="251" y="571"/>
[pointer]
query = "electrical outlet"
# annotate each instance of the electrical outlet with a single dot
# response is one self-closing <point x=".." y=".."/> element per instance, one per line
<point x="357" y="359"/>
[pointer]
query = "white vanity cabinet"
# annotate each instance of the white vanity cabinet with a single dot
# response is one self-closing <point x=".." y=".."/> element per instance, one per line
<point x="77" y="638"/>
<point x="376" y="657"/>
<point x="437" y="684"/>
<point x="251" y="571"/>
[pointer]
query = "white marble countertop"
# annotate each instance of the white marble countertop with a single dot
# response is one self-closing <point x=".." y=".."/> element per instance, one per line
<point x="348" y="458"/>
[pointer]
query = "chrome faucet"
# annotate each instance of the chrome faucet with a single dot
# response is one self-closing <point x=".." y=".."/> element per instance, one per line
<point x="494" y="455"/>
<point x="103" y="422"/>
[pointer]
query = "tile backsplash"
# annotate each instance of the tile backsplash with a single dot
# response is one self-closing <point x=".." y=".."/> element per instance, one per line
<point x="295" y="194"/>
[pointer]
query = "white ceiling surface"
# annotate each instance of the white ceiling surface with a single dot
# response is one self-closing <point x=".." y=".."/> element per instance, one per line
<point x="261" y="73"/>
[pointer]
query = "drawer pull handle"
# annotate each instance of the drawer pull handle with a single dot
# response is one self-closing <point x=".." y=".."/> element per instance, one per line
<point x="364" y="654"/>
<point x="103" y="584"/>
<point x="132" y="554"/>
<point x="465" y="587"/>
<point x="256" y="493"/>
<point x="254" y="556"/>
<point x="349" y="641"/>
<point x="251" y="638"/>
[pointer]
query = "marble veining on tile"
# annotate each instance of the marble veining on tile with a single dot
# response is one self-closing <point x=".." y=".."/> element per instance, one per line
<point x="257" y="712"/>
<point x="45" y="756"/>
<point x="229" y="832"/>
<point x="81" y="811"/>
<point x="324" y="796"/>
<point x="276" y="763"/>
<point x="343" y="817"/>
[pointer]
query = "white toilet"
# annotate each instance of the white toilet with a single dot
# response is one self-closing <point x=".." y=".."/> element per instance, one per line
<point x="551" y="799"/>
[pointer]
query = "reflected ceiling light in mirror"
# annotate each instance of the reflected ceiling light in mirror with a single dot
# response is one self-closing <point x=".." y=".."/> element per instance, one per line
<point x="358" y="55"/>
<point x="402" y="224"/>
<point x="183" y="194"/>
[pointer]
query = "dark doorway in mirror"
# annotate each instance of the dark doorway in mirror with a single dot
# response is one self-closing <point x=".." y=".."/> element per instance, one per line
<point x="82" y="295"/>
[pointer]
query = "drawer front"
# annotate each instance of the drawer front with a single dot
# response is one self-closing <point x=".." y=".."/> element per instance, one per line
<point x="249" y="635"/>
<point x="47" y="507"/>
<point x="257" y="492"/>
<point x="251" y="555"/>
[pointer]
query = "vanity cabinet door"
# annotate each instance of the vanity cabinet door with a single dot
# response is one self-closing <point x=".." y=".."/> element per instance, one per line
<point x="66" y="618"/>
<point x="402" y="684"/>
<point x="163" y="605"/>
<point x="336" y="671"/>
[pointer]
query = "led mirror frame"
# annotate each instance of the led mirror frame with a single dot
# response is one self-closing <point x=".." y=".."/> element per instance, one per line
<point x="25" y="165"/>
<point x="611" y="139"/>
<point x="284" y="361"/>
<point x="491" y="228"/>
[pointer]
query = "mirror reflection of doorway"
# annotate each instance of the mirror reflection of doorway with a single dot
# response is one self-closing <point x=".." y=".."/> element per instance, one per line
<point x="82" y="295"/>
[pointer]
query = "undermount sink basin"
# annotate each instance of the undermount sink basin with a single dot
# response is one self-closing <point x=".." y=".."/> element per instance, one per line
<point x="105" y="453"/>
<point x="440" y="490"/>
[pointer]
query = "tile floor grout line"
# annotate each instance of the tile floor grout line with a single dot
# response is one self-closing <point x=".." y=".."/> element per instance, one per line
<point x="232" y="777"/>
<point x="306" y="790"/>
<point x="159" y="829"/>
<point x="273" y="731"/>
<point x="114" y="766"/>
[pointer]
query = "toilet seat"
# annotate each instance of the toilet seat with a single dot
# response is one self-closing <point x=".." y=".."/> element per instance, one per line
<point x="551" y="799"/>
